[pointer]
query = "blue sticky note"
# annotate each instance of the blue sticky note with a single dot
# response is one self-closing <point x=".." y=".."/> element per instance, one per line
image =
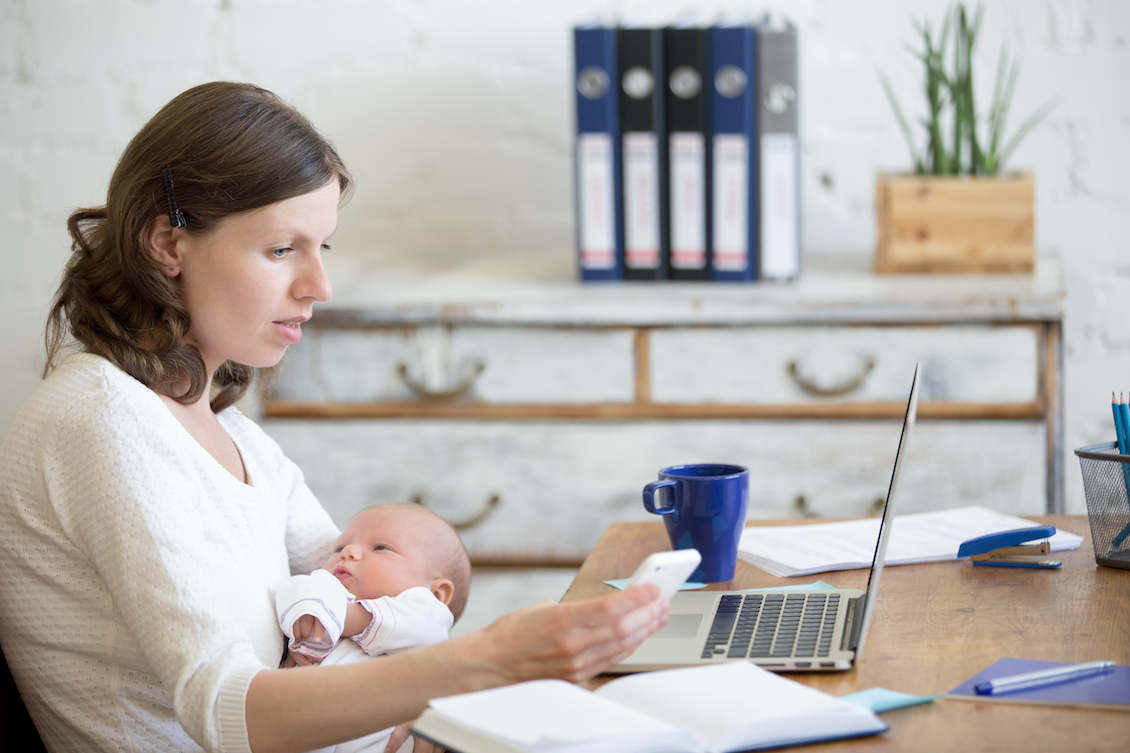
<point x="619" y="583"/>
<point x="879" y="700"/>
<point x="816" y="585"/>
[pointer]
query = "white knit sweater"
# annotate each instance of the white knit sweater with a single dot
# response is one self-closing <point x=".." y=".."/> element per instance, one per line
<point x="136" y="572"/>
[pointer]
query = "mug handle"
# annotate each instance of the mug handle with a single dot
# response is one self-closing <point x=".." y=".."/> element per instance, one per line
<point x="649" y="497"/>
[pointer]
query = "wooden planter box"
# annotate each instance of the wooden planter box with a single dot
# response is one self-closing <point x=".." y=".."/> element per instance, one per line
<point x="935" y="224"/>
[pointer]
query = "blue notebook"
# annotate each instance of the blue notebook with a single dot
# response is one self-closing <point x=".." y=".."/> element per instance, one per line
<point x="1110" y="690"/>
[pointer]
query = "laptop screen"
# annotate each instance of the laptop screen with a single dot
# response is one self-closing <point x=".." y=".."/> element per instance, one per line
<point x="885" y="525"/>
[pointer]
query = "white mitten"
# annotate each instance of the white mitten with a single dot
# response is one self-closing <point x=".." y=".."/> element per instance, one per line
<point x="320" y="595"/>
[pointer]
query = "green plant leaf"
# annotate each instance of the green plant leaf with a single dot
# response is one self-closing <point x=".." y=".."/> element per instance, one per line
<point x="995" y="109"/>
<point x="956" y="85"/>
<point x="921" y="56"/>
<point x="977" y="18"/>
<point x="1005" y="105"/>
<point x="946" y="27"/>
<point x="1033" y="120"/>
<point x="905" y="126"/>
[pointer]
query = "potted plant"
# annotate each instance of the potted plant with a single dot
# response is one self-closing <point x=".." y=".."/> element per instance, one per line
<point x="958" y="211"/>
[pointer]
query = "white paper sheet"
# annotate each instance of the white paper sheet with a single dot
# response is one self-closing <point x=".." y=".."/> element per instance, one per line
<point x="920" y="537"/>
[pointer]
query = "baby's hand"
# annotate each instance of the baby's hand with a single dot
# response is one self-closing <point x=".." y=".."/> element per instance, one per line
<point x="309" y="628"/>
<point x="310" y="645"/>
<point x="298" y="660"/>
<point x="311" y="611"/>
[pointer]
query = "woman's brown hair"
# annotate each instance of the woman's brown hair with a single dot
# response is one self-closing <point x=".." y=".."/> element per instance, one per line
<point x="228" y="148"/>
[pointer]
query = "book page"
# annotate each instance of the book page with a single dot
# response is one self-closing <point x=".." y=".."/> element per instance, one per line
<point x="554" y="712"/>
<point x="736" y="705"/>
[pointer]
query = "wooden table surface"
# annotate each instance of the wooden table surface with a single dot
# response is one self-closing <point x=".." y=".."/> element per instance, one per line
<point x="938" y="624"/>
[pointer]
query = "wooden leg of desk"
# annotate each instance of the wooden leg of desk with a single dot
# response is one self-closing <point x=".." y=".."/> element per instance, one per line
<point x="1053" y="414"/>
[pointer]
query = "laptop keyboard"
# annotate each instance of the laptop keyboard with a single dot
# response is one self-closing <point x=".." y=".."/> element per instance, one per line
<point x="773" y="625"/>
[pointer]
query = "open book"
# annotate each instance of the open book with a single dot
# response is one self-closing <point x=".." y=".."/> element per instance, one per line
<point x="730" y="706"/>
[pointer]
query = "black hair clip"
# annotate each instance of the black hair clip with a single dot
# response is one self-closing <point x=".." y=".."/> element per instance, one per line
<point x="176" y="216"/>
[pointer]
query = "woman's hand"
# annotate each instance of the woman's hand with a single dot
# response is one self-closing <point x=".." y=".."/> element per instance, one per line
<point x="573" y="641"/>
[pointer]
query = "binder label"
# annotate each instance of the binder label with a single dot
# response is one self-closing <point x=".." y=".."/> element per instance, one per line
<point x="688" y="201"/>
<point x="731" y="203"/>
<point x="597" y="233"/>
<point x="780" y="242"/>
<point x="641" y="200"/>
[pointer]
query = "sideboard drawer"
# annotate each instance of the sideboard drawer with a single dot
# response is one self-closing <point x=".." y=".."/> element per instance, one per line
<point x="559" y="484"/>
<point x="493" y="365"/>
<point x="790" y="365"/>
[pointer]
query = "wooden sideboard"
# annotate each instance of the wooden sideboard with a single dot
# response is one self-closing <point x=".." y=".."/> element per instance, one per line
<point x="530" y="409"/>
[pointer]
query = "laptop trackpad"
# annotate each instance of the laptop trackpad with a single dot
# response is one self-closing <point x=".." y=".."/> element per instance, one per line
<point x="680" y="626"/>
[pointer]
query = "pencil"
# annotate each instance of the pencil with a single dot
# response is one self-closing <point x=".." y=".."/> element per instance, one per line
<point x="1122" y="430"/>
<point x="1124" y="413"/>
<point x="1119" y="436"/>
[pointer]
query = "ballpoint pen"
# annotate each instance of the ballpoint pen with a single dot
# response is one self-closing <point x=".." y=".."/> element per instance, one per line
<point x="1044" y="677"/>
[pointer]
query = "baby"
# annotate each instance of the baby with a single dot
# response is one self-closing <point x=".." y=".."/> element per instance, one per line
<point x="398" y="579"/>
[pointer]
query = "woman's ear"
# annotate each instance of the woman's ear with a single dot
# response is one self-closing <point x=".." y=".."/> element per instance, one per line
<point x="163" y="245"/>
<point x="443" y="589"/>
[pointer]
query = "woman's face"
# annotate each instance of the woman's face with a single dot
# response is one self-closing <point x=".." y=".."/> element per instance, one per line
<point x="251" y="281"/>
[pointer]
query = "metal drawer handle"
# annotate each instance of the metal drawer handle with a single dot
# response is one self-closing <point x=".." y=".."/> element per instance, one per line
<point x="801" y="508"/>
<point x="844" y="388"/>
<point x="423" y="392"/>
<point x="471" y="522"/>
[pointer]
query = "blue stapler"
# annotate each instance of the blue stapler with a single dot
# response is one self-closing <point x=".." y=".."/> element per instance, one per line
<point x="1007" y="548"/>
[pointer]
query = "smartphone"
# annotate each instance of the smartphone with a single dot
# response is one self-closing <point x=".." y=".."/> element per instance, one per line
<point x="668" y="570"/>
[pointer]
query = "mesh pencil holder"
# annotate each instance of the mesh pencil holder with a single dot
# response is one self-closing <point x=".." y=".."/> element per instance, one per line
<point x="1106" y="484"/>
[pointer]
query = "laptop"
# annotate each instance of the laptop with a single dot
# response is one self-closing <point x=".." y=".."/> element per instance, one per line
<point x="783" y="631"/>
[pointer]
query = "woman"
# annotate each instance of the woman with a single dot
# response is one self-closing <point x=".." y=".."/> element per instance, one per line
<point x="146" y="520"/>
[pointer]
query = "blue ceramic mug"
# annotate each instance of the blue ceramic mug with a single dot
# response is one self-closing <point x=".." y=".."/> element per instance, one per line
<point x="704" y="507"/>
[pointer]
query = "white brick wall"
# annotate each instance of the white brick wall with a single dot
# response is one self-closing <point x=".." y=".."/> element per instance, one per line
<point x="455" y="117"/>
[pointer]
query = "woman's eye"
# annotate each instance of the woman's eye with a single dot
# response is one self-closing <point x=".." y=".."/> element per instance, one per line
<point x="325" y="247"/>
<point x="279" y="253"/>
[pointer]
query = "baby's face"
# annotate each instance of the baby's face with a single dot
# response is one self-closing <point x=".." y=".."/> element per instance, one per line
<point x="383" y="551"/>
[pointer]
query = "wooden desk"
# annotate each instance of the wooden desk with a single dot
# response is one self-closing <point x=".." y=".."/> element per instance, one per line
<point x="938" y="624"/>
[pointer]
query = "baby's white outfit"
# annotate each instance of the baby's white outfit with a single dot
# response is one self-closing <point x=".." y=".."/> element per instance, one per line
<point x="413" y="618"/>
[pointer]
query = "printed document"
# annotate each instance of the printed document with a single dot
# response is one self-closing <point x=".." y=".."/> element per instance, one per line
<point x="920" y="537"/>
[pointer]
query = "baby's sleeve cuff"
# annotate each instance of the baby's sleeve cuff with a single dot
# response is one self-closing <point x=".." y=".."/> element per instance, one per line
<point x="412" y="619"/>
<point x="320" y="595"/>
